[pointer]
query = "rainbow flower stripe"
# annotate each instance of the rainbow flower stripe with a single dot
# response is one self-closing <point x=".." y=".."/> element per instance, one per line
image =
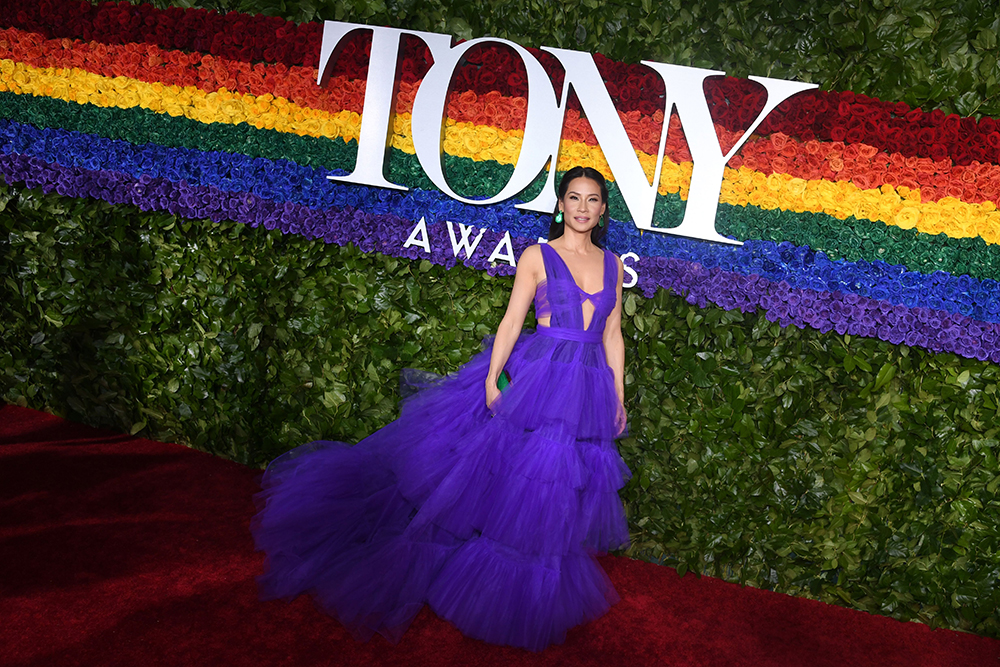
<point x="857" y="216"/>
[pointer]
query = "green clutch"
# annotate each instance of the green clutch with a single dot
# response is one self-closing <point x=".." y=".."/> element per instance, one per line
<point x="503" y="381"/>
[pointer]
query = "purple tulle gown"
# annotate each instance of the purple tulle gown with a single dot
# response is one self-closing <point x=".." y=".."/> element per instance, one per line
<point x="491" y="517"/>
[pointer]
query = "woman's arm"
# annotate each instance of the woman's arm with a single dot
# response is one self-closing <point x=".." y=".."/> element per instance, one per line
<point x="614" y="348"/>
<point x="530" y="271"/>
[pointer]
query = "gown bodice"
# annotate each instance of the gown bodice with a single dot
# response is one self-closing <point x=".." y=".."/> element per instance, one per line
<point x="560" y="298"/>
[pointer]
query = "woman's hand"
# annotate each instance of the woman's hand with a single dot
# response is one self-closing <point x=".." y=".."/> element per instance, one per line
<point x="492" y="393"/>
<point x="621" y="419"/>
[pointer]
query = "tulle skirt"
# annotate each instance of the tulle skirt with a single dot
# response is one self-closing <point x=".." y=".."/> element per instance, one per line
<point x="492" y="516"/>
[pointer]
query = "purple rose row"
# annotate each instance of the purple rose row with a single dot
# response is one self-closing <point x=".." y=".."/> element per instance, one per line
<point x="845" y="313"/>
<point x="935" y="330"/>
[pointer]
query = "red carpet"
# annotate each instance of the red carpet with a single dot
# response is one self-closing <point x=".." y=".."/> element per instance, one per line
<point x="122" y="551"/>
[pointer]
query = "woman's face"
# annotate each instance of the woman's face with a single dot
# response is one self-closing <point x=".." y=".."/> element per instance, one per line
<point x="581" y="206"/>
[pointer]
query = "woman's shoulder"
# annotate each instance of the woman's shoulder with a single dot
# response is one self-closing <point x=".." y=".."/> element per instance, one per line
<point x="532" y="254"/>
<point x="531" y="262"/>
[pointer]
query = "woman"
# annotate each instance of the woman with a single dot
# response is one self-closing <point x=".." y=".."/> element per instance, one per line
<point x="490" y="511"/>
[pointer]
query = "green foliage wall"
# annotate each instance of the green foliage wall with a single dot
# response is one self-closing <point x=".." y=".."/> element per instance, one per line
<point x="844" y="469"/>
<point x="855" y="470"/>
<point x="236" y="340"/>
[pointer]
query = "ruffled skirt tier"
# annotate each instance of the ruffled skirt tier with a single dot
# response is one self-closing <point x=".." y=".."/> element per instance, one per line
<point x="492" y="518"/>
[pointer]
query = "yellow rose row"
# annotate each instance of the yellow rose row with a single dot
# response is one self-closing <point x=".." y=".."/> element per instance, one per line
<point x="263" y="112"/>
<point x="896" y="206"/>
<point x="900" y="207"/>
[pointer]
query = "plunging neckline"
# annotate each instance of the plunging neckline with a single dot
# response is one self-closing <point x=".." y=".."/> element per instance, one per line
<point x="604" y="271"/>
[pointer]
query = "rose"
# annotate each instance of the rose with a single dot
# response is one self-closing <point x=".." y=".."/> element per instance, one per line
<point x="517" y="82"/>
<point x="862" y="180"/>
<point x="486" y="78"/>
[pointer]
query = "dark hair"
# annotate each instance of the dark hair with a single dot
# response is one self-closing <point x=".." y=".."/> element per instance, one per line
<point x="597" y="233"/>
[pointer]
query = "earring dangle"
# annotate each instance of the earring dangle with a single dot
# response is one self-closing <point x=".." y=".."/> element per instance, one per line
<point x="559" y="218"/>
<point x="600" y="223"/>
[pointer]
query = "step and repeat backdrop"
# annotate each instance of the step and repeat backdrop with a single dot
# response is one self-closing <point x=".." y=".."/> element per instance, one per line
<point x="827" y="210"/>
<point x="234" y="231"/>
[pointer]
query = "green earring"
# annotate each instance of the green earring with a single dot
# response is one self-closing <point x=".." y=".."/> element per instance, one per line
<point x="600" y="223"/>
<point x="559" y="218"/>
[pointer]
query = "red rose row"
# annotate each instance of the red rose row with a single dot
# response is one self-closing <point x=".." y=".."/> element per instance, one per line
<point x="890" y="126"/>
<point x="233" y="35"/>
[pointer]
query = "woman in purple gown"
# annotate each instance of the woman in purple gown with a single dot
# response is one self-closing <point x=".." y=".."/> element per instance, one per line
<point x="490" y="511"/>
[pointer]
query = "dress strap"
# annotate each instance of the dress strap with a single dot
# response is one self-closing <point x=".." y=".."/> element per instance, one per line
<point x="553" y="265"/>
<point x="610" y="270"/>
<point x="566" y="333"/>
